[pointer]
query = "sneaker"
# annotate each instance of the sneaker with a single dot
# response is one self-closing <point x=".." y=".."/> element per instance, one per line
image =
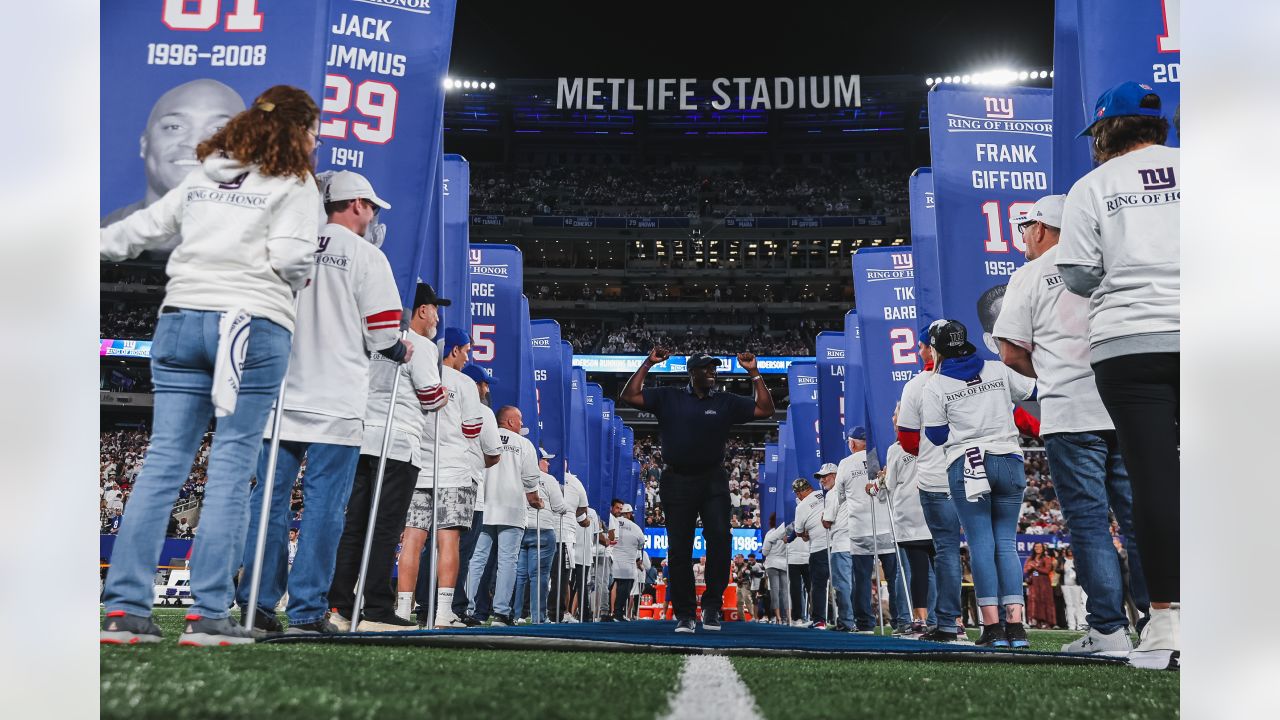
<point x="1016" y="634"/>
<point x="799" y="623"/>
<point x="711" y="620"/>
<point x="121" y="628"/>
<point x="212" y="632"/>
<point x="523" y="621"/>
<point x="842" y="628"/>
<point x="686" y="626"/>
<point x="452" y="622"/>
<point x="340" y="621"/>
<point x="500" y="620"/>
<point x="1158" y="644"/>
<point x="993" y="636"/>
<point x="1114" y="644"/>
<point x="471" y="621"/>
<point x="382" y="623"/>
<point x="319" y="627"/>
<point x="608" y="618"/>
<point x="940" y="636"/>
<point x="820" y="625"/>
<point x="264" y="621"/>
<point x="569" y="618"/>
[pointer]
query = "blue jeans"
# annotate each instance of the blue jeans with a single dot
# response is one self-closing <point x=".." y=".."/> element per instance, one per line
<point x="1090" y="477"/>
<point x="944" y="524"/>
<point x="864" y="578"/>
<point x="326" y="487"/>
<point x="991" y="525"/>
<point x="507" y="539"/>
<point x="528" y="567"/>
<point x="182" y="358"/>
<point x="842" y="579"/>
<point x="466" y="547"/>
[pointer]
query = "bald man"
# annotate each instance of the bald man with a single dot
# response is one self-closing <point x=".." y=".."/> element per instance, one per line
<point x="182" y="118"/>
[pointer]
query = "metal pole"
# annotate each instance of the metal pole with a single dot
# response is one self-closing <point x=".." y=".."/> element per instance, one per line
<point x="897" y="551"/>
<point x="833" y="608"/>
<point x="377" y="497"/>
<point x="435" y="505"/>
<point x="875" y="562"/>
<point x="537" y="587"/>
<point x="268" y="485"/>
<point x="560" y="551"/>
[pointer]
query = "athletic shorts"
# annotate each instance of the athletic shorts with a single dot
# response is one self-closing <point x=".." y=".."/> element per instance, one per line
<point x="457" y="507"/>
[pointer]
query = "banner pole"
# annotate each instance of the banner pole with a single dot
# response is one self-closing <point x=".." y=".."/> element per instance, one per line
<point x="537" y="587"/>
<point x="435" y="509"/>
<point x="897" y="551"/>
<point x="875" y="562"/>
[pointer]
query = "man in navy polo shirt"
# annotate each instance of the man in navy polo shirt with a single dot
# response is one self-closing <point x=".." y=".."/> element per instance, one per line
<point x="694" y="423"/>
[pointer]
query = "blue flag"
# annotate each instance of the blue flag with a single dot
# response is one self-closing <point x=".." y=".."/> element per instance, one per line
<point x="769" y="486"/>
<point x="527" y="393"/>
<point x="788" y="471"/>
<point x="609" y="450"/>
<point x="1070" y="108"/>
<point x="566" y="372"/>
<point x="855" y="393"/>
<point x="594" y="480"/>
<point x="924" y="247"/>
<point x="882" y="282"/>
<point x="497" y="276"/>
<point x="551" y="388"/>
<point x="802" y="386"/>
<point x="991" y="162"/>
<point x="829" y="350"/>
<point x="579" y="454"/>
<point x="455" y="279"/>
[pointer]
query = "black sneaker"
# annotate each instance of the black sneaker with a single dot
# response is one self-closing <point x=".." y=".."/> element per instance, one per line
<point x="686" y="626"/>
<point x="500" y="620"/>
<point x="608" y="618"/>
<point x="711" y="620"/>
<point x="319" y="627"/>
<point x="842" y="628"/>
<point x="264" y="621"/>
<point x="385" y="623"/>
<point x="993" y="636"/>
<point x="942" y="636"/>
<point x="471" y="621"/>
<point x="121" y="628"/>
<point x="1016" y="634"/>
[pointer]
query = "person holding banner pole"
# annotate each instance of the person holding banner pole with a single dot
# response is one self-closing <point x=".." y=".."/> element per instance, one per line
<point x="835" y="517"/>
<point x="910" y="531"/>
<point x="379" y="500"/>
<point x="267" y="256"/>
<point x="539" y="544"/>
<point x="575" y="497"/>
<point x="775" y="567"/>
<point x="481" y="454"/>
<point x="811" y="527"/>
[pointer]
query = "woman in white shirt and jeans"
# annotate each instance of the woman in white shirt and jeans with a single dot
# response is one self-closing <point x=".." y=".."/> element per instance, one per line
<point x="248" y="218"/>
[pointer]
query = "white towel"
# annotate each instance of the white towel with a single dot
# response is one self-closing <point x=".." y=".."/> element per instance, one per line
<point x="976" y="485"/>
<point x="233" y="343"/>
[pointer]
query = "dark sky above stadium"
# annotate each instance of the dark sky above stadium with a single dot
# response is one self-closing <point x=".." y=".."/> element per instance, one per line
<point x="696" y="38"/>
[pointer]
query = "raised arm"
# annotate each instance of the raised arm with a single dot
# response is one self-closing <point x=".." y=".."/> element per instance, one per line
<point x="633" y="393"/>
<point x="764" y="400"/>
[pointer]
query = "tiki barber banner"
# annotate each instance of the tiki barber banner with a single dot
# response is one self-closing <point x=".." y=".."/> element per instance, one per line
<point x="883" y="283"/>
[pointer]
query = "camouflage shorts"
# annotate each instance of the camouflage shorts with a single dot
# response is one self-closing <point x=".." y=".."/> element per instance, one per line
<point x="457" y="507"/>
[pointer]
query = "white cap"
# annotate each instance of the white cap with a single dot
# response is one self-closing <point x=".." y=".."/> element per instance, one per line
<point x="347" y="185"/>
<point x="627" y="508"/>
<point x="1047" y="210"/>
<point x="827" y="469"/>
<point x="542" y="452"/>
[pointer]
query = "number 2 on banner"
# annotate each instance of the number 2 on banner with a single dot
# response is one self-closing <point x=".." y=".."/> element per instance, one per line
<point x="373" y="99"/>
<point x="904" y="346"/>
<point x="995" y="232"/>
<point x="482" y="347"/>
<point x="244" y="16"/>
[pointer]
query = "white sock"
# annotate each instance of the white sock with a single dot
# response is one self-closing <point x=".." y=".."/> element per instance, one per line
<point x="444" y="605"/>
<point x="404" y="604"/>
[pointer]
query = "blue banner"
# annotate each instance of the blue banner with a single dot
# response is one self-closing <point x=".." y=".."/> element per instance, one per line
<point x="497" y="277"/>
<point x="991" y="162"/>
<point x="566" y="372"/>
<point x="802" y="386"/>
<point x="639" y="503"/>
<point x="552" y="390"/>
<point x="769" y="484"/>
<point x="594" y="480"/>
<point x="829" y="347"/>
<point x="787" y="471"/>
<point x="382" y="116"/>
<point x="1071" y="158"/>
<point x="924" y="247"/>
<point x="625" y="442"/>
<point x="745" y="541"/>
<point x="883" y="283"/>
<point x="173" y="73"/>
<point x="527" y="392"/>
<point x="609" y="452"/>
<point x="455" y="281"/>
<point x="855" y="395"/>
<point x="1139" y="40"/>
<point x="579" y="450"/>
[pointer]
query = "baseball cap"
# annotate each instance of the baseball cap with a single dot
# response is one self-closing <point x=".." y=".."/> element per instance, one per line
<point x="455" y="337"/>
<point x="698" y="360"/>
<point x="951" y="339"/>
<point x="347" y="185"/>
<point x="477" y="373"/>
<point x="1127" y="98"/>
<point x="799" y="484"/>
<point x="543" y="454"/>
<point x="426" y="295"/>
<point x="627" y="508"/>
<point x="1047" y="210"/>
<point x="857" y="432"/>
<point x="826" y="469"/>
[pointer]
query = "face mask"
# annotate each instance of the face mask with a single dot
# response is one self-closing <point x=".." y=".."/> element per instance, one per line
<point x="376" y="233"/>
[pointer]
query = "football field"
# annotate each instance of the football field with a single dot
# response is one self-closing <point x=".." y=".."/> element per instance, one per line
<point x="331" y="681"/>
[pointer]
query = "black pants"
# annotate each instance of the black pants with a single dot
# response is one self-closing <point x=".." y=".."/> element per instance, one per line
<point x="799" y="576"/>
<point x="685" y="498"/>
<point x="1140" y="393"/>
<point x="397" y="492"/>
<point x="621" y="595"/>
<point x="576" y="590"/>
<point x="559" y="589"/>
<point x="919" y="557"/>
<point x="819" y="575"/>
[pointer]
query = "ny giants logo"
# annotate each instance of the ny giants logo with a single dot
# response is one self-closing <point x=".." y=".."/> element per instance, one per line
<point x="235" y="183"/>
<point x="999" y="108"/>
<point x="324" y="244"/>
<point x="1158" y="178"/>
<point x="902" y="261"/>
<point x="476" y="256"/>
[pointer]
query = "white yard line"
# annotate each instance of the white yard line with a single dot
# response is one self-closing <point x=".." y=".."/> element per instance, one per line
<point x="710" y="688"/>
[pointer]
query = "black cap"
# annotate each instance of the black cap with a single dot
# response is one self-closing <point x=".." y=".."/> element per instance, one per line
<point x="702" y="360"/>
<point x="426" y="295"/>
<point x="950" y="338"/>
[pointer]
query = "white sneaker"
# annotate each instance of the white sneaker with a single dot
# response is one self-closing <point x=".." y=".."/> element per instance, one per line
<point x="799" y="624"/>
<point x="343" y="624"/>
<point x="522" y="621"/>
<point x="569" y="618"/>
<point x="1116" y="644"/>
<point x="449" y="621"/>
<point x="1158" y="645"/>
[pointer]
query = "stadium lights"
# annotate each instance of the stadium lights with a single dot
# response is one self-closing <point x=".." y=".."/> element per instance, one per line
<point x="452" y="84"/>
<point x="1000" y="76"/>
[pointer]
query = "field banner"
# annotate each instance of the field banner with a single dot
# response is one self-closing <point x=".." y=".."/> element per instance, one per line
<point x="497" y="280"/>
<point x="567" y="372"/>
<point x="594" y="479"/>
<point x="883" y="282"/>
<point x="609" y="450"/>
<point x="579" y="454"/>
<point x="829" y="351"/>
<point x="174" y="72"/>
<point x="1139" y="40"/>
<point x="991" y="161"/>
<point x="455" y="276"/>
<point x="1071" y="158"/>
<point x="855" y="395"/>
<point x="787" y="471"/>
<point x="769" y="484"/>
<point x="802" y="386"/>
<point x="527" y="392"/>
<point x="551" y="391"/>
<point x="924" y="247"/>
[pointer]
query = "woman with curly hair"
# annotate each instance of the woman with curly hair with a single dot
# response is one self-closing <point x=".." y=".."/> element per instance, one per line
<point x="248" y="218"/>
<point x="1038" y="573"/>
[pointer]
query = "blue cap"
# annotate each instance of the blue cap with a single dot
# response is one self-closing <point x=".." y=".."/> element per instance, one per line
<point x="857" y="433"/>
<point x="477" y="373"/>
<point x="455" y="337"/>
<point x="1127" y="98"/>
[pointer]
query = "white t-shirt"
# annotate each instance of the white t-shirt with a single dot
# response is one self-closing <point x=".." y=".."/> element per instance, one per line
<point x="1039" y="314"/>
<point x="350" y="308"/>
<point x="460" y="422"/>
<point x="809" y="520"/>
<point x="507" y="482"/>
<point x="979" y="412"/>
<point x="575" y="496"/>
<point x="587" y="539"/>
<point x="851" y="486"/>
<point x="932" y="463"/>
<point x="900" y="477"/>
<point x="248" y="239"/>
<point x="798" y="551"/>
<point x="628" y="550"/>
<point x="418" y="394"/>
<point x="485" y="444"/>
<point x="775" y="548"/>
<point x="553" y="505"/>
<point x="836" y="512"/>
<point x="1123" y="217"/>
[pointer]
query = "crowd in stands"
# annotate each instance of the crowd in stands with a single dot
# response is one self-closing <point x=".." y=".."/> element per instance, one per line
<point x="121" y="453"/>
<point x="127" y="321"/>
<point x="636" y="339"/>
<point x="581" y="334"/>
<point x="701" y="293"/>
<point x="131" y="275"/>
<point x="679" y="190"/>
